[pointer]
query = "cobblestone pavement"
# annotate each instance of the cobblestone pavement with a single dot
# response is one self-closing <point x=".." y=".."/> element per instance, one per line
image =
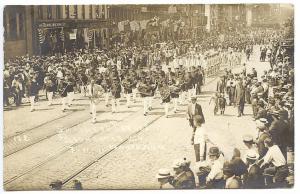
<point x="126" y="148"/>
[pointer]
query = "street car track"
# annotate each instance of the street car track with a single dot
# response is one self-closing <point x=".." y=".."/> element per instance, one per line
<point x="64" y="150"/>
<point x="6" y="154"/>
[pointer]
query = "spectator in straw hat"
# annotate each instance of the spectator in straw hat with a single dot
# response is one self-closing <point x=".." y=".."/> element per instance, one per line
<point x="263" y="134"/>
<point x="253" y="178"/>
<point x="164" y="177"/>
<point x="184" y="177"/>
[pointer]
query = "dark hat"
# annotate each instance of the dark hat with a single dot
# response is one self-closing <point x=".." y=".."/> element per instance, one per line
<point x="228" y="168"/>
<point x="214" y="151"/>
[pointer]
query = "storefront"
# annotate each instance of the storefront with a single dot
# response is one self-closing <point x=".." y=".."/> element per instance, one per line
<point x="60" y="37"/>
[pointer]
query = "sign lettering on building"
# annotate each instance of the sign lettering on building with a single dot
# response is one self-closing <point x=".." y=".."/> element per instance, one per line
<point x="51" y="25"/>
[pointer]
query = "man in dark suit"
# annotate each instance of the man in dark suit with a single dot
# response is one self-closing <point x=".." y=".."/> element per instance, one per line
<point x="194" y="109"/>
<point x="240" y="97"/>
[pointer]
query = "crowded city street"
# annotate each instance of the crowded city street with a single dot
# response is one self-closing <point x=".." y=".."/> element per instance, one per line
<point x="130" y="116"/>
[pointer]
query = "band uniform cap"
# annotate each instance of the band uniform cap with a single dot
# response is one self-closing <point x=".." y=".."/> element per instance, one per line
<point x="248" y="138"/>
<point x="252" y="155"/>
<point x="163" y="173"/>
<point x="213" y="151"/>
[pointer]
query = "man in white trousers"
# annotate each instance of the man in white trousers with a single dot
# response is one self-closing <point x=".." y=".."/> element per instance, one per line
<point x="94" y="92"/>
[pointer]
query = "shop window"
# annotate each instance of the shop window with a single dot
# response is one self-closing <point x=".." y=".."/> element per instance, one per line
<point x="76" y="11"/>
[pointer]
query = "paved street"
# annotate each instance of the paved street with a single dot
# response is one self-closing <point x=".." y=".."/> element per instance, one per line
<point x="122" y="150"/>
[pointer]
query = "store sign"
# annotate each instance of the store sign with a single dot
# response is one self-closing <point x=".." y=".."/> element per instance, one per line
<point x="72" y="36"/>
<point x="51" y="25"/>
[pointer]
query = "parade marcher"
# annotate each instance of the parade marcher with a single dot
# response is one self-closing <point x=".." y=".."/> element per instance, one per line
<point x="127" y="84"/>
<point x="106" y="85"/>
<point x="240" y="98"/>
<point x="17" y="88"/>
<point x="222" y="103"/>
<point x="165" y="93"/>
<point x="70" y="89"/>
<point x="215" y="100"/>
<point x="145" y="88"/>
<point x="184" y="177"/>
<point x="50" y="87"/>
<point x="32" y="92"/>
<point x="64" y="93"/>
<point x="94" y="92"/>
<point x="230" y="88"/>
<point x="175" y="90"/>
<point x="116" y="94"/>
<point x="194" y="109"/>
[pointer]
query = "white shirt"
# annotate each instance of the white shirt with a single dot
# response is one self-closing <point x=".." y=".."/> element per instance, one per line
<point x="216" y="168"/>
<point x="274" y="156"/>
<point x="200" y="138"/>
<point x="193" y="108"/>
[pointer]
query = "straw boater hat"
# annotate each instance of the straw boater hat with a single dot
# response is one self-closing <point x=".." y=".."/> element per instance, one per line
<point x="252" y="155"/>
<point x="163" y="173"/>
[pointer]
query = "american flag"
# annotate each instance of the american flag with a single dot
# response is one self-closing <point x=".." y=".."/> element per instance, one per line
<point x="41" y="34"/>
<point x="90" y="34"/>
<point x="62" y="35"/>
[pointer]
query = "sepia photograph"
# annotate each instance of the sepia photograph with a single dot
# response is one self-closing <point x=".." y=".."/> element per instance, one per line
<point x="148" y="96"/>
